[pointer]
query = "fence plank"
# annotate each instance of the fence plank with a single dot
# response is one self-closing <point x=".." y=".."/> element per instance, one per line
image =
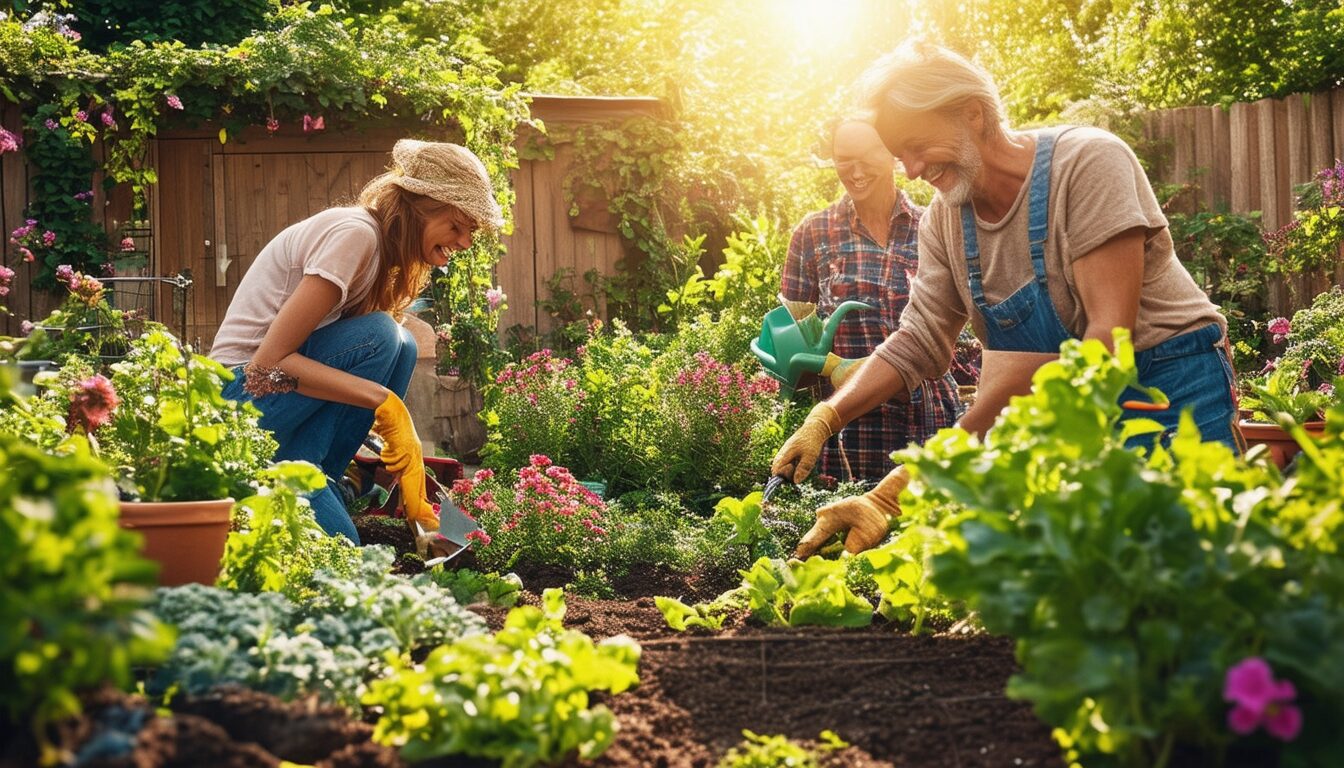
<point x="1221" y="173"/>
<point x="1320" y="152"/>
<point x="1245" y="165"/>
<point x="1202" y="118"/>
<point x="1337" y="121"/>
<point x="1299" y="144"/>
<point x="1268" y="145"/>
<point x="516" y="271"/>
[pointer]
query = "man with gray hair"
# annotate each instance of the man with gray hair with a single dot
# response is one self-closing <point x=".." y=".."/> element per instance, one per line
<point x="1035" y="237"/>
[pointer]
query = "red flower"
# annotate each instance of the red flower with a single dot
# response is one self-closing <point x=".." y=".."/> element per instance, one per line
<point x="92" y="403"/>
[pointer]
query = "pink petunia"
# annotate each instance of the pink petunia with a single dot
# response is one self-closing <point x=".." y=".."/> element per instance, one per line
<point x="174" y="101"/>
<point x="1258" y="699"/>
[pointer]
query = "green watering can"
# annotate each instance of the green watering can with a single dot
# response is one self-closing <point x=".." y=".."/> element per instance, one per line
<point x="795" y="342"/>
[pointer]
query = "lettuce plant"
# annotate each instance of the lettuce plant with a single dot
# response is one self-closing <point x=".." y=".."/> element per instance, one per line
<point x="1133" y="582"/>
<point x="519" y="696"/>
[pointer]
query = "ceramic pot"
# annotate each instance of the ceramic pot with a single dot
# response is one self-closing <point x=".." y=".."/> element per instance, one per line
<point x="186" y="538"/>
<point x="1282" y="447"/>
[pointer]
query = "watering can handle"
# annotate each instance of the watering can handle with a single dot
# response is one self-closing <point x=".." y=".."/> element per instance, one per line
<point x="833" y="322"/>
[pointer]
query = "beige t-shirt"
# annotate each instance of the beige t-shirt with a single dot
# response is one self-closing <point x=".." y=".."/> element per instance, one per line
<point x="338" y="244"/>
<point x="1097" y="190"/>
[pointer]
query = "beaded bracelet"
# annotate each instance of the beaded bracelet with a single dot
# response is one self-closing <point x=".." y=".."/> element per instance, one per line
<point x="260" y="381"/>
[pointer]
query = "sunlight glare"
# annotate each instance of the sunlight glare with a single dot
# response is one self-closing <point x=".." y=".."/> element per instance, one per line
<point x="822" y="22"/>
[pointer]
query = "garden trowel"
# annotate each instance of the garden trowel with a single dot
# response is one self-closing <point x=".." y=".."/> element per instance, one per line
<point x="451" y="538"/>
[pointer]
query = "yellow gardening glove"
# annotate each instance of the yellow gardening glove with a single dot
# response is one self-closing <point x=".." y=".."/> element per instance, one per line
<point x="839" y="369"/>
<point x="799" y="453"/>
<point x="403" y="457"/>
<point x="867" y="517"/>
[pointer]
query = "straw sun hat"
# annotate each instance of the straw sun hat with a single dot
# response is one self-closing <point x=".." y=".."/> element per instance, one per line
<point x="445" y="172"/>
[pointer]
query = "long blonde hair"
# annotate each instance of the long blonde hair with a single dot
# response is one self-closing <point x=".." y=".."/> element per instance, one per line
<point x="403" y="274"/>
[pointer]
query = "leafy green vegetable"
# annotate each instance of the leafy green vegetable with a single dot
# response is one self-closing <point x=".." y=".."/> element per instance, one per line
<point x="468" y="586"/>
<point x="1133" y="583"/>
<point x="520" y="696"/>
<point x="72" y="583"/>
<point x="748" y="530"/>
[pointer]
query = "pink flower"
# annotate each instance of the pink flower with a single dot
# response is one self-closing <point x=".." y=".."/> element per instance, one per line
<point x="27" y="254"/>
<point x="9" y="142"/>
<point x="483" y="474"/>
<point x="26" y="327"/>
<point x="127" y="244"/>
<point x="108" y="119"/>
<point x="48" y="238"/>
<point x="1258" y="699"/>
<point x="92" y="403"/>
<point x="65" y="273"/>
<point x="1341" y="366"/>
<point x="311" y="124"/>
<point x="494" y="297"/>
<point x="272" y="125"/>
<point x="51" y="124"/>
<point x="174" y="101"/>
<point x="1280" y="327"/>
<point x="82" y="116"/>
<point x="480" y="537"/>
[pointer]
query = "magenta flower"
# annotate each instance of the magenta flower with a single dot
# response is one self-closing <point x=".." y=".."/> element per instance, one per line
<point x="9" y="142"/>
<point x="312" y="124"/>
<point x="92" y="403"/>
<point x="272" y="125"/>
<point x="174" y="101"/>
<point x="494" y="297"/>
<point x="27" y="255"/>
<point x="127" y="244"/>
<point x="48" y="238"/>
<point x="82" y="116"/>
<point x="51" y="124"/>
<point x="108" y="119"/>
<point x="65" y="273"/>
<point x="480" y="537"/>
<point x="1258" y="699"/>
<point x="1280" y="327"/>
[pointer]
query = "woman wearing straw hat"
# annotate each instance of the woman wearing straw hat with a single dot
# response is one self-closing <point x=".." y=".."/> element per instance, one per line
<point x="311" y="335"/>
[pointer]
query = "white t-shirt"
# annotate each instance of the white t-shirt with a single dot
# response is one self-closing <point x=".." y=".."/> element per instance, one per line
<point x="338" y="244"/>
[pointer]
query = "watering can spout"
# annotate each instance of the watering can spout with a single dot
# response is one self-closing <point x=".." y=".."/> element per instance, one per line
<point x="833" y="322"/>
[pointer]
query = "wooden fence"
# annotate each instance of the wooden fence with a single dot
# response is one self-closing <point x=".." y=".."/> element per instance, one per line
<point x="1248" y="157"/>
<point x="215" y="206"/>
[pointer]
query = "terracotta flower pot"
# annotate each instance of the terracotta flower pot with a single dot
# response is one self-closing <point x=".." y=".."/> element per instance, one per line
<point x="186" y="538"/>
<point x="1282" y="446"/>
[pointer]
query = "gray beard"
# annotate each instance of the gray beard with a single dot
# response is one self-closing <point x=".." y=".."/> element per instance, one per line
<point x="967" y="168"/>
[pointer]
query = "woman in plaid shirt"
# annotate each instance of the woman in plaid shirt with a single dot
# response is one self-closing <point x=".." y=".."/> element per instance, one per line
<point x="862" y="248"/>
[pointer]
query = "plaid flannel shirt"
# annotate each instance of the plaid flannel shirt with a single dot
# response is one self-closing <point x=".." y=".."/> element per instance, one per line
<point x="832" y="258"/>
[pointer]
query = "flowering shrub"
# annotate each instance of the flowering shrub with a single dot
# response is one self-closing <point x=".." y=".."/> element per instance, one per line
<point x="715" y="426"/>
<point x="85" y="324"/>
<point x="1300" y="381"/>
<point x="1311" y="240"/>
<point x="545" y="518"/>
<point x="1258" y="699"/>
<point x="533" y="408"/>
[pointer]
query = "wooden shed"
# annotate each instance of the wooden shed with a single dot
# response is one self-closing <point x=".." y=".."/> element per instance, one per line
<point x="216" y="205"/>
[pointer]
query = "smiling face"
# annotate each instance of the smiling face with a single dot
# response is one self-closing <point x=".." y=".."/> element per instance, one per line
<point x="862" y="163"/>
<point x="446" y="233"/>
<point x="938" y="148"/>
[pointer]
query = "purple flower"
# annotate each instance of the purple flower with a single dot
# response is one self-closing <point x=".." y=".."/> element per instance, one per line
<point x="174" y="101"/>
<point x="9" y="142"/>
<point x="1258" y="699"/>
<point x="1341" y="366"/>
<point x="51" y="124"/>
<point x="82" y="116"/>
<point x="65" y="273"/>
<point x="494" y="297"/>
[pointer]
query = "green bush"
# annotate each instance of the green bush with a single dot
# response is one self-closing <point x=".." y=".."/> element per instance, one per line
<point x="72" y="582"/>
<point x="1132" y="584"/>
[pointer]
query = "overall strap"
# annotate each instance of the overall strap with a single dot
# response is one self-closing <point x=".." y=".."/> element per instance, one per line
<point x="1038" y="200"/>
<point x="972" y="247"/>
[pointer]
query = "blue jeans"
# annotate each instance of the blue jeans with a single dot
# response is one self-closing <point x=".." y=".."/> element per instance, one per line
<point x="327" y="433"/>
<point x="1193" y="371"/>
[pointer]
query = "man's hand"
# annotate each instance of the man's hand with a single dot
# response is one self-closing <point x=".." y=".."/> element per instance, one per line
<point x="799" y="453"/>
<point x="403" y="457"/>
<point x="867" y="517"/>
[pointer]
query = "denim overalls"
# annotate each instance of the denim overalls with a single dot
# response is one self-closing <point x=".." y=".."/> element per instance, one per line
<point x="1192" y="369"/>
